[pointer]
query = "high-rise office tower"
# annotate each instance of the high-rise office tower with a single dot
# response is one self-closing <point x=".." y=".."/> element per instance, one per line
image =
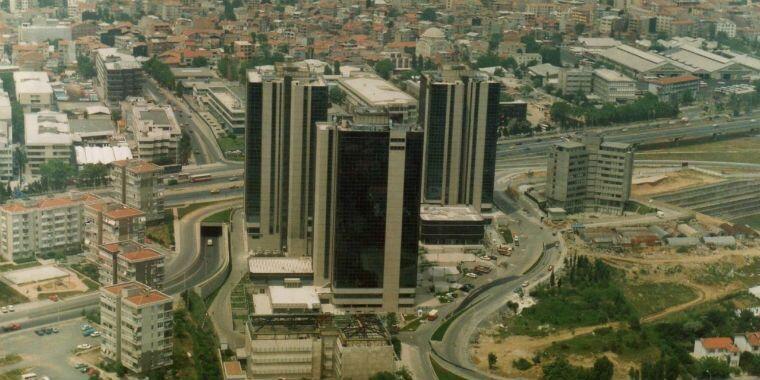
<point x="282" y="109"/>
<point x="367" y="198"/>
<point x="459" y="111"/>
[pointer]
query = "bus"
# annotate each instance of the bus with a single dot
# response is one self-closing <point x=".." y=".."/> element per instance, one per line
<point x="200" y="177"/>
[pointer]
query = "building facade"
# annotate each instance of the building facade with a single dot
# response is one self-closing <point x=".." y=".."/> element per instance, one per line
<point x="613" y="87"/>
<point x="575" y="81"/>
<point x="47" y="138"/>
<point x="366" y="219"/>
<point x="460" y="115"/>
<point x="591" y="176"/>
<point x="137" y="326"/>
<point x="138" y="184"/>
<point x="282" y="109"/>
<point x="127" y="261"/>
<point x="109" y="221"/>
<point x="118" y="75"/>
<point x="155" y="130"/>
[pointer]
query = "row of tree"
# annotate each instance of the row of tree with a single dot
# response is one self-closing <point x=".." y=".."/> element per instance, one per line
<point x="647" y="107"/>
<point x="160" y="72"/>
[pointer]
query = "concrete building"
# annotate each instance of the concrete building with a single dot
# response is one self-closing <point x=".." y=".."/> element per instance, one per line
<point x="47" y="138"/>
<point x="137" y="326"/>
<point x="33" y="90"/>
<point x="675" y="88"/>
<point x="612" y="87"/>
<point x="109" y="221"/>
<point x="126" y="261"/>
<point x="20" y="6"/>
<point x="591" y="176"/>
<point x="6" y="138"/>
<point x="722" y="348"/>
<point x="138" y="184"/>
<point x="317" y="347"/>
<point x="370" y="100"/>
<point x="460" y="225"/>
<point x="642" y="64"/>
<point x="119" y="75"/>
<point x="154" y="130"/>
<point x="41" y="226"/>
<point x="282" y="109"/>
<point x="226" y="106"/>
<point x="366" y="217"/>
<point x="726" y="26"/>
<point x="459" y="112"/>
<point x="46" y="30"/>
<point x="575" y="81"/>
<point x="432" y="43"/>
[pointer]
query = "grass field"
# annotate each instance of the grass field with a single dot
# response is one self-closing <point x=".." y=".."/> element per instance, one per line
<point x="9" y="359"/>
<point x="752" y="221"/>
<point x="413" y="325"/>
<point x="12" y="375"/>
<point x="8" y="296"/>
<point x="743" y="149"/>
<point x="648" y="298"/>
<point x="229" y="144"/>
<point x="219" y="217"/>
<point x="195" y="206"/>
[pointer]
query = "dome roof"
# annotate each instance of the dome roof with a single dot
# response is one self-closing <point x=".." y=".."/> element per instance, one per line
<point x="433" y="33"/>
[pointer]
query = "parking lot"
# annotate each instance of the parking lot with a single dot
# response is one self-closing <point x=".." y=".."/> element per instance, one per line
<point x="47" y="355"/>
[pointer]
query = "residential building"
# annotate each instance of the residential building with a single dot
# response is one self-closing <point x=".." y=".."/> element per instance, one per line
<point x="282" y="109"/>
<point x="6" y="138"/>
<point x="41" y="226"/>
<point x="366" y="216"/>
<point x="138" y="184"/>
<point x="47" y="138"/>
<point x="675" y="88"/>
<point x="527" y="59"/>
<point x="119" y="75"/>
<point x="109" y="221"/>
<point x="722" y="348"/>
<point x="137" y="326"/>
<point x="33" y="91"/>
<point x="612" y="87"/>
<point x="575" y="81"/>
<point x="154" y="130"/>
<point x="126" y="261"/>
<point x="459" y="111"/>
<point x="591" y="176"/>
<point x="20" y="6"/>
<point x="726" y="26"/>
<point x="748" y="342"/>
<point x="242" y="49"/>
<point x="317" y="347"/>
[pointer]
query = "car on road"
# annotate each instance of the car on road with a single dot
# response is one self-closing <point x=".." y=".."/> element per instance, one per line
<point x="467" y="287"/>
<point x="95" y="334"/>
<point x="3" y="309"/>
<point x="84" y="346"/>
<point x="525" y="284"/>
<point x="11" y="308"/>
<point x="214" y="191"/>
<point x="209" y="242"/>
<point x="472" y="275"/>
<point x="85" y="326"/>
<point x="39" y="332"/>
<point x="12" y="327"/>
<point x="551" y="268"/>
<point x="232" y="179"/>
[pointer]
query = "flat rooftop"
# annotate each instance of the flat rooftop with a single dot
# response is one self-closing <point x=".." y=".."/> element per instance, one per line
<point x="280" y="265"/>
<point x="375" y="91"/>
<point x="612" y="75"/>
<point x="47" y="128"/>
<point x="35" y="274"/>
<point x="449" y="213"/>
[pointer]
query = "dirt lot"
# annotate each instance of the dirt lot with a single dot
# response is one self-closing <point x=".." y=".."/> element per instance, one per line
<point x="705" y="275"/>
<point x="673" y="182"/>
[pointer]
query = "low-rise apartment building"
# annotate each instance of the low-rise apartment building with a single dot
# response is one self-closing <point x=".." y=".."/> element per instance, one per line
<point x="33" y="90"/>
<point x="138" y="184"/>
<point x="675" y="88"/>
<point x="224" y="104"/>
<point x="127" y="261"/>
<point x="575" y="81"/>
<point x="109" y="221"/>
<point x="41" y="226"/>
<point x="47" y="138"/>
<point x="613" y="87"/>
<point x="137" y="326"/>
<point x="154" y="129"/>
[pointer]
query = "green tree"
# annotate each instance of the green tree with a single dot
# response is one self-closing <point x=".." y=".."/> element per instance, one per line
<point x="493" y="42"/>
<point x="384" y="68"/>
<point x="85" y="67"/>
<point x="492" y="360"/>
<point x="93" y="175"/>
<point x="199" y="62"/>
<point x="337" y="96"/>
<point x="54" y="174"/>
<point x="429" y="14"/>
<point x="579" y="28"/>
<point x="17" y="122"/>
<point x="160" y="72"/>
<point x="383" y="376"/>
<point x="603" y="369"/>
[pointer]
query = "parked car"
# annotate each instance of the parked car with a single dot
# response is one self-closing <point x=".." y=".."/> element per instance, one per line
<point x="95" y="334"/>
<point x="84" y="346"/>
<point x="12" y="327"/>
<point x="467" y="287"/>
<point x="11" y="308"/>
<point x="471" y="275"/>
<point x="3" y="309"/>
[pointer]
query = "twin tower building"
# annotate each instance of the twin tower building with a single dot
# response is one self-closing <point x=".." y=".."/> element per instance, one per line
<point x="344" y="183"/>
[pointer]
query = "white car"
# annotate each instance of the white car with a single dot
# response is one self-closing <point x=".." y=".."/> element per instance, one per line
<point x="95" y="334"/>
<point x="525" y="284"/>
<point x="472" y="275"/>
<point x="3" y="309"/>
<point x="84" y="346"/>
<point x="11" y="308"/>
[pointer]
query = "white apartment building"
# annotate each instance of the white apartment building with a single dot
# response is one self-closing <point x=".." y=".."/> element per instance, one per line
<point x="33" y="90"/>
<point x="109" y="221"/>
<point x="45" y="30"/>
<point x="127" y="261"/>
<point x="726" y="26"/>
<point x="20" y="6"/>
<point x="6" y="138"/>
<point x="224" y="104"/>
<point x="47" y="137"/>
<point x="138" y="184"/>
<point x="39" y="226"/>
<point x="154" y="129"/>
<point x="613" y="87"/>
<point x="137" y="326"/>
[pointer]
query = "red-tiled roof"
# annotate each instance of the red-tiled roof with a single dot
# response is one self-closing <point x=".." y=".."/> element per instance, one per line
<point x="674" y="80"/>
<point x="142" y="255"/>
<point x="123" y="213"/>
<point x="719" y="343"/>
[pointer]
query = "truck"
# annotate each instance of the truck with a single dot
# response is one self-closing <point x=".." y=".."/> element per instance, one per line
<point x="432" y="315"/>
